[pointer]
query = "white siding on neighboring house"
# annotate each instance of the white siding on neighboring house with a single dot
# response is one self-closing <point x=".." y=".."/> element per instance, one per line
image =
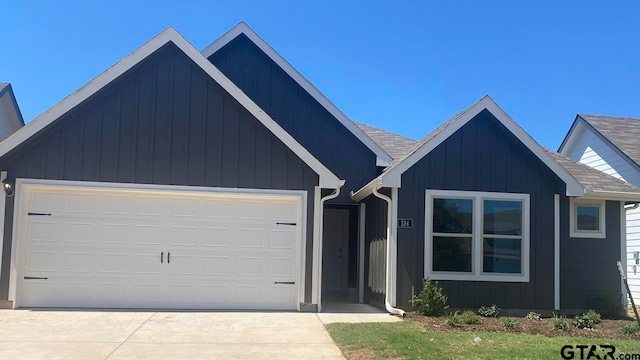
<point x="592" y="151"/>
<point x="9" y="118"/>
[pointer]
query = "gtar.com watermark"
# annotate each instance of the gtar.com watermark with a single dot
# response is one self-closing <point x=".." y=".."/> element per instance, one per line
<point x="594" y="352"/>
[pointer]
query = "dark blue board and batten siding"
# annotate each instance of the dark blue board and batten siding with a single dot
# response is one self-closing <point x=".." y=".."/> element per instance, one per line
<point x="481" y="156"/>
<point x="163" y="122"/>
<point x="588" y="266"/>
<point x="375" y="254"/>
<point x="298" y="113"/>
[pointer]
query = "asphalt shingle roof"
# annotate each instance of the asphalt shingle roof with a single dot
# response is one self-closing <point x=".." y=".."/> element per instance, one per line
<point x="590" y="177"/>
<point x="622" y="132"/>
<point x="393" y="144"/>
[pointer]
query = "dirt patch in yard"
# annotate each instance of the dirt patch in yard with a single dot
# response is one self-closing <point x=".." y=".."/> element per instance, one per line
<point x="607" y="329"/>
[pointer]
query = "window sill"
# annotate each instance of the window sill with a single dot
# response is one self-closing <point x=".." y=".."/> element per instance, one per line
<point x="490" y="278"/>
<point x="587" y="235"/>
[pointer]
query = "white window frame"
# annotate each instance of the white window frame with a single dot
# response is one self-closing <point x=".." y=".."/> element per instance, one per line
<point x="476" y="274"/>
<point x="573" y="223"/>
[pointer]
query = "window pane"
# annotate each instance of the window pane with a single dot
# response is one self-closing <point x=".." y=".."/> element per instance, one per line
<point x="588" y="217"/>
<point x="452" y="254"/>
<point x="502" y="256"/>
<point x="502" y="217"/>
<point x="452" y="215"/>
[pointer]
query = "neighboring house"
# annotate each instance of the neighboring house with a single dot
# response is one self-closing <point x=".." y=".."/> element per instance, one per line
<point x="10" y="116"/>
<point x="611" y="145"/>
<point x="223" y="179"/>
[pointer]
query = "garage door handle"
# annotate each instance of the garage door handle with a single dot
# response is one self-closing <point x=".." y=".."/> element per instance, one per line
<point x="161" y="257"/>
<point x="286" y="223"/>
<point x="285" y="282"/>
<point x="168" y="257"/>
<point x="38" y="214"/>
<point x="35" y="278"/>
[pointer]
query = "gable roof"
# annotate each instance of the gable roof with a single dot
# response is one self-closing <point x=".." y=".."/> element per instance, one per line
<point x="594" y="181"/>
<point x="392" y="176"/>
<point x="7" y="90"/>
<point x="393" y="144"/>
<point x="326" y="177"/>
<point x="620" y="132"/>
<point x="383" y="159"/>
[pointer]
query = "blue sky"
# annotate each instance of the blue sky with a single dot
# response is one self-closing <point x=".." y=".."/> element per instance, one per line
<point x="405" y="66"/>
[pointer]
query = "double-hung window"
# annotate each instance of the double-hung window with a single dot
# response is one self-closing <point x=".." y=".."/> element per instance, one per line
<point x="477" y="236"/>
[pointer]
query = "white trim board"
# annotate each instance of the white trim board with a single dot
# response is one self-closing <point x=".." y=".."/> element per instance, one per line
<point x="326" y="178"/>
<point x="3" y="202"/>
<point x="383" y="159"/>
<point x="392" y="177"/>
<point x="556" y="252"/>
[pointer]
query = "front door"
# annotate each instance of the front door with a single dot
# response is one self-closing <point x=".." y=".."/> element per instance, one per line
<point x="335" y="252"/>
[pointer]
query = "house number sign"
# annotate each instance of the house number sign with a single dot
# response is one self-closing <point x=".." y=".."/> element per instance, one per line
<point x="405" y="223"/>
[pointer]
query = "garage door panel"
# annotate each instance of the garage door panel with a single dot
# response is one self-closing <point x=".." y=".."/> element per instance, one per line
<point x="283" y="212"/>
<point x="148" y="206"/>
<point x="149" y="234"/>
<point x="146" y="263"/>
<point x="281" y="267"/>
<point x="183" y="265"/>
<point x="219" y="209"/>
<point x="41" y="261"/>
<point x="281" y="239"/>
<point x="42" y="231"/>
<point x="110" y="248"/>
<point x="250" y="238"/>
<point x="79" y="232"/>
<point x="186" y="235"/>
<point x="185" y="208"/>
<point x="45" y="201"/>
<point x="145" y="294"/>
<point x="112" y="294"/>
<point x="113" y="233"/>
<point x="217" y="236"/>
<point x="77" y="262"/>
<point x="115" y="205"/>
<point x="81" y="203"/>
<point x="113" y="263"/>
<point x="217" y="266"/>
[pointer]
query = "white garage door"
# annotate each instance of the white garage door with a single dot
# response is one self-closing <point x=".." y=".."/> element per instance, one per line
<point x="91" y="247"/>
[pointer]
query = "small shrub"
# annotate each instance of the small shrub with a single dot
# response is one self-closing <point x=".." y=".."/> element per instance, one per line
<point x="489" y="311"/>
<point x="608" y="303"/>
<point x="510" y="323"/>
<point x="533" y="316"/>
<point x="431" y="301"/>
<point x="582" y="321"/>
<point x="559" y="322"/>
<point x="453" y="319"/>
<point x="630" y="329"/>
<point x="469" y="317"/>
<point x="593" y="316"/>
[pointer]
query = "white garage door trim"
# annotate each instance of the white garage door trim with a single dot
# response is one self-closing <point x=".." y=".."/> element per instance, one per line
<point x="24" y="185"/>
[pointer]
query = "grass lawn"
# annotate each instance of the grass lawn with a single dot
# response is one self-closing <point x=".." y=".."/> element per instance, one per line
<point x="406" y="340"/>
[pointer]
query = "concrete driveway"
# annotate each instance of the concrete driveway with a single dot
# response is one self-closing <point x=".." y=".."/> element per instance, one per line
<point x="30" y="334"/>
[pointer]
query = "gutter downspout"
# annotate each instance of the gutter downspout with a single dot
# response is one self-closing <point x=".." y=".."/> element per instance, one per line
<point x="333" y="195"/>
<point x="387" y="304"/>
